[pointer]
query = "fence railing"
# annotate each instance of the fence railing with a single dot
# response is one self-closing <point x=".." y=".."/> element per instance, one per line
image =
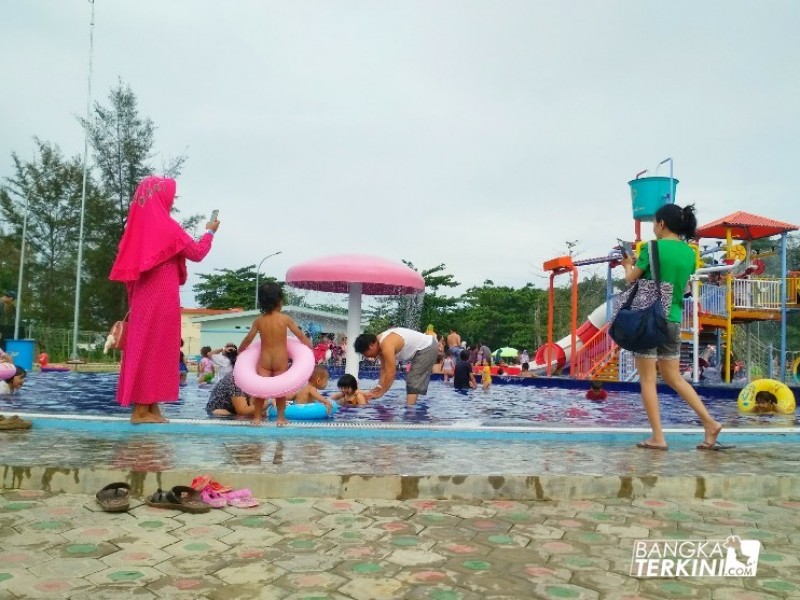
<point x="627" y="366"/>
<point x="757" y="293"/>
<point x="593" y="355"/>
<point x="713" y="301"/>
<point x="57" y="342"/>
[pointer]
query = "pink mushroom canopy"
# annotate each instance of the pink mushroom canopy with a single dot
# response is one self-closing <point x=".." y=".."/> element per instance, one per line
<point x="378" y="276"/>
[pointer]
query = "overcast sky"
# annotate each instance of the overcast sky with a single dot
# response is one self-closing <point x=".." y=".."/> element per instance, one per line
<point x="481" y="135"/>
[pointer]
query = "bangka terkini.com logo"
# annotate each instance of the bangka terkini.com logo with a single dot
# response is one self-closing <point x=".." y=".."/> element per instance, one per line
<point x="732" y="557"/>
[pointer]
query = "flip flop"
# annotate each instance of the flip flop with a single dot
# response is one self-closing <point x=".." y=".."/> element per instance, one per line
<point x="212" y="498"/>
<point x="180" y="497"/>
<point x="243" y="502"/>
<point x="200" y="482"/>
<point x="647" y="446"/>
<point x="218" y="487"/>
<point x="244" y="493"/>
<point x="714" y="446"/>
<point x="115" y="497"/>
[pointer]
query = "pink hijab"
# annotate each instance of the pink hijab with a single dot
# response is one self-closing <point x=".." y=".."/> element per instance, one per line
<point x="151" y="236"/>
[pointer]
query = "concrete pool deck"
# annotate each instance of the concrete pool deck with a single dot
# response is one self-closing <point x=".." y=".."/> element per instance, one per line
<point x="400" y="512"/>
<point x="400" y="462"/>
<point x="61" y="546"/>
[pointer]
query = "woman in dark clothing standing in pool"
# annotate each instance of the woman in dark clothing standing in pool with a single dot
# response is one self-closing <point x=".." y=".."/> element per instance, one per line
<point x="672" y="226"/>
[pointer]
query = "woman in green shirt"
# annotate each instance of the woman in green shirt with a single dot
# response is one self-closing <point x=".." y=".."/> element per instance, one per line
<point x="672" y="226"/>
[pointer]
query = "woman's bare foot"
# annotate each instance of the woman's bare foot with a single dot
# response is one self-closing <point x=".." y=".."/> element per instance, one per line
<point x="712" y="433"/>
<point x="155" y="410"/>
<point x="281" y="422"/>
<point x="651" y="444"/>
<point x="146" y="418"/>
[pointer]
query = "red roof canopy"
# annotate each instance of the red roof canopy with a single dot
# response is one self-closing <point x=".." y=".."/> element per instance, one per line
<point x="744" y="226"/>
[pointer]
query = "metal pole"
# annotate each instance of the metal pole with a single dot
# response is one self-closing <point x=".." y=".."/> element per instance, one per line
<point x="258" y="270"/>
<point x="695" y="330"/>
<point x="353" y="328"/>
<point x="671" y="179"/>
<point x="18" y="300"/>
<point x="784" y="315"/>
<point x="76" y="317"/>
<point x="21" y="268"/>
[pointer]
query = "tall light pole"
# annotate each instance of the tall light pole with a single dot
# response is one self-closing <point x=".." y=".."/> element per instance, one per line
<point x="258" y="270"/>
<point x="76" y="316"/>
<point x="18" y="300"/>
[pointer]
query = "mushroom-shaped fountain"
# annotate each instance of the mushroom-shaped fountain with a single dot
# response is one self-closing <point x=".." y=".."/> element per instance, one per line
<point x="355" y="274"/>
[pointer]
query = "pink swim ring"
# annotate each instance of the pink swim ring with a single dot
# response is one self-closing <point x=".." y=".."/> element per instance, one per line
<point x="7" y="370"/>
<point x="253" y="384"/>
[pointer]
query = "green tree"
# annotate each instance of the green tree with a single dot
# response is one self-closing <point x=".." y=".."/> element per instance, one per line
<point x="437" y="308"/>
<point x="122" y="142"/>
<point x="228" y="288"/>
<point x="51" y="187"/>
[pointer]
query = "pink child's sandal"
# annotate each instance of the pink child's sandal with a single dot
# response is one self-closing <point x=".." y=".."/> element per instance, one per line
<point x="241" y="499"/>
<point x="212" y="498"/>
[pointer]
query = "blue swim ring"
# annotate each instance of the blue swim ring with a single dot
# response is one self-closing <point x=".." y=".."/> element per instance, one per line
<point x="305" y="412"/>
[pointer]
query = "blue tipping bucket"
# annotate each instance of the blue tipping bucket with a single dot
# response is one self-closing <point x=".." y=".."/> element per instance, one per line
<point x="21" y="352"/>
<point x="648" y="194"/>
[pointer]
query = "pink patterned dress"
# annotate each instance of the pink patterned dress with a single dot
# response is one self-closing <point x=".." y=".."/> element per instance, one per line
<point x="153" y="338"/>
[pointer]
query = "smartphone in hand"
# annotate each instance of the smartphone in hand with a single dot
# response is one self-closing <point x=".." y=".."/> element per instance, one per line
<point x="214" y="215"/>
<point x="623" y="247"/>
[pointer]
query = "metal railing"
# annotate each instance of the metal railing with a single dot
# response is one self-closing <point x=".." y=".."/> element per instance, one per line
<point x="593" y="355"/>
<point x="757" y="293"/>
<point x="627" y="366"/>
<point x="713" y="301"/>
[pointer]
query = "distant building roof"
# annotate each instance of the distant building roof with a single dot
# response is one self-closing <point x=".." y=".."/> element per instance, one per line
<point x="744" y="226"/>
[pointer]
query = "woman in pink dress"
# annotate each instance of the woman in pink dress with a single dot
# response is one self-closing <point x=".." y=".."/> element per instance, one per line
<point x="152" y="263"/>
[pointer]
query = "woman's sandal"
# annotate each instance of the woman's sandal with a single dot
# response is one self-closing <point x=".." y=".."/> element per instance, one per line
<point x="14" y="422"/>
<point x="115" y="497"/>
<point x="180" y="497"/>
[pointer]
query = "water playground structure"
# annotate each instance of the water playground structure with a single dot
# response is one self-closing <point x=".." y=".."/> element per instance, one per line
<point x="729" y="292"/>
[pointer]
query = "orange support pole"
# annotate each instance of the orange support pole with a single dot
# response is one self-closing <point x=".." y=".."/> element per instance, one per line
<point x="550" y="319"/>
<point x="574" y="338"/>
<point x="557" y="266"/>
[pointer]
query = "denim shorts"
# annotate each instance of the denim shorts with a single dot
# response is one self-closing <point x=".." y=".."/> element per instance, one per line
<point x="669" y="350"/>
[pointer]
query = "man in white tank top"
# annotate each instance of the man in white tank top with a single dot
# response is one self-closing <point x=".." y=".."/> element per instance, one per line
<point x="396" y="344"/>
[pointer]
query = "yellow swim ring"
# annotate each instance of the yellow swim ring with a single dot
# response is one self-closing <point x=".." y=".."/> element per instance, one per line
<point x="784" y="396"/>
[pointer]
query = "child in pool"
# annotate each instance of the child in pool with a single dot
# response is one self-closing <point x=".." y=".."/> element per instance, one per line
<point x="596" y="392"/>
<point x="448" y="368"/>
<point x="310" y="392"/>
<point x="271" y="326"/>
<point x="766" y="402"/>
<point x="486" y="374"/>
<point x="348" y="391"/>
<point x="205" y="368"/>
<point x="183" y="369"/>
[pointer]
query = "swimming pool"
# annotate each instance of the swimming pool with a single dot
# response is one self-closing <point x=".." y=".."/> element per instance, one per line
<point x="72" y="393"/>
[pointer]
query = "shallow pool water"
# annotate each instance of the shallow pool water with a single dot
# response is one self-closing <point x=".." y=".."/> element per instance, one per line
<point x="508" y="404"/>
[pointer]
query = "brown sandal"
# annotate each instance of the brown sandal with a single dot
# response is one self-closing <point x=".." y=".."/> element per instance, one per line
<point x="115" y="497"/>
<point x="180" y="497"/>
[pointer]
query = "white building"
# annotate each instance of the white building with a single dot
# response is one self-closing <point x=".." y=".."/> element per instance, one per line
<point x="218" y="330"/>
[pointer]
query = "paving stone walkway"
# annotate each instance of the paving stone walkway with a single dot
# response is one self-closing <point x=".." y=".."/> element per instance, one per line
<point x="63" y="546"/>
